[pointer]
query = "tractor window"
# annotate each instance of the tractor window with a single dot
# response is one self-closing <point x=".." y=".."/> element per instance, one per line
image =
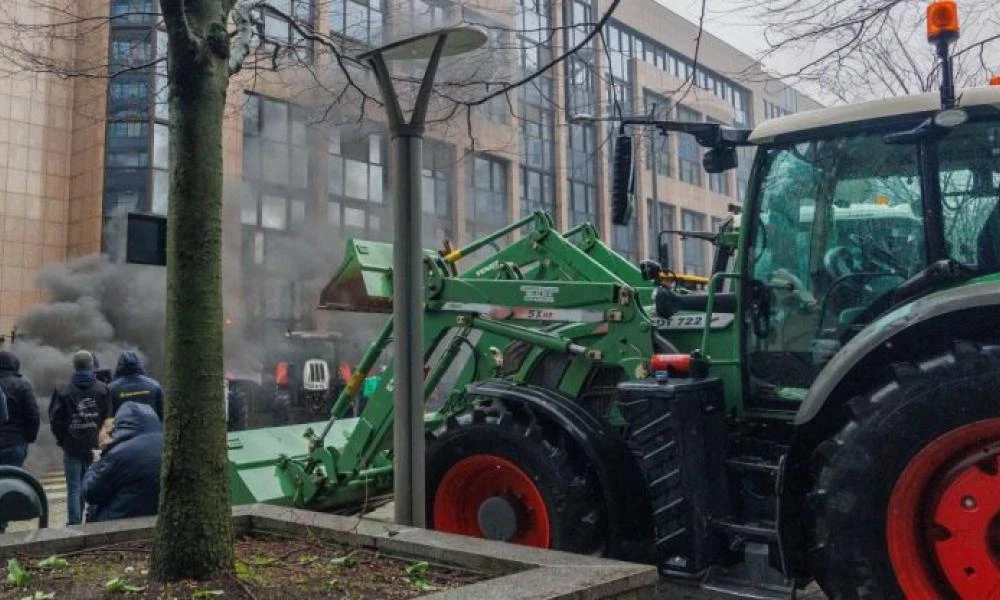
<point x="970" y="185"/>
<point x="840" y="227"/>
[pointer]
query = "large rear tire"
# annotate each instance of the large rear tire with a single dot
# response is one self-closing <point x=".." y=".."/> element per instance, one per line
<point x="498" y="473"/>
<point x="906" y="499"/>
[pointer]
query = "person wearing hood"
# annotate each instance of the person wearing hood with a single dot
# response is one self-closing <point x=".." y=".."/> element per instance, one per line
<point x="21" y="426"/>
<point x="125" y="481"/>
<point x="76" y="414"/>
<point x="132" y="384"/>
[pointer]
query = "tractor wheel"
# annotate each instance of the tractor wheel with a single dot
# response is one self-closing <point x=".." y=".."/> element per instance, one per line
<point x="906" y="499"/>
<point x="498" y="475"/>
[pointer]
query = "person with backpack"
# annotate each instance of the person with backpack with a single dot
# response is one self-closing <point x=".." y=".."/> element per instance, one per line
<point x="19" y="419"/>
<point x="132" y="385"/>
<point x="76" y="414"/>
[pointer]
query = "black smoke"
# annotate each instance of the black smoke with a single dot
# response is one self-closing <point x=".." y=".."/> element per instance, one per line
<point x="95" y="305"/>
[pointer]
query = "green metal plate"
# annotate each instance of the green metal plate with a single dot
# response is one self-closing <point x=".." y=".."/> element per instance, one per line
<point x="254" y="454"/>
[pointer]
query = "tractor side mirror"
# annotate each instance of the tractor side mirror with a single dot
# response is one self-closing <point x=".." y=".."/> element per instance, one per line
<point x="623" y="181"/>
<point x="719" y="160"/>
<point x="663" y="249"/>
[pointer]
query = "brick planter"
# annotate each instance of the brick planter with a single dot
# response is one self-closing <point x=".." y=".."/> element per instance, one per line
<point x="518" y="572"/>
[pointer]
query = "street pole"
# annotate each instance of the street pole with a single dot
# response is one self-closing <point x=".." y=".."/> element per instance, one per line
<point x="654" y="245"/>
<point x="407" y="260"/>
<point x="407" y="314"/>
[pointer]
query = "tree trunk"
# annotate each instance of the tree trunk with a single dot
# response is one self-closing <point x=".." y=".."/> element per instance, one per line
<point x="194" y="537"/>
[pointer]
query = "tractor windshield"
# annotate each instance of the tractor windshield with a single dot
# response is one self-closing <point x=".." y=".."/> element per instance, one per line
<point x="843" y="224"/>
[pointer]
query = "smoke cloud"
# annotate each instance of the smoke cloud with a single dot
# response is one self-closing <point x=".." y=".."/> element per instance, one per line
<point x="95" y="305"/>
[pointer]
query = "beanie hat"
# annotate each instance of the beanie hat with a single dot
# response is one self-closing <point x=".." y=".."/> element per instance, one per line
<point x="83" y="360"/>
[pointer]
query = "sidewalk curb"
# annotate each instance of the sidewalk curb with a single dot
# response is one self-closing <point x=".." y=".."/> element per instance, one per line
<point x="519" y="572"/>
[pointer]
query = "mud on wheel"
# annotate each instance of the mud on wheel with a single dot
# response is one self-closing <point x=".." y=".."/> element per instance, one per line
<point x="499" y="472"/>
<point x="906" y="500"/>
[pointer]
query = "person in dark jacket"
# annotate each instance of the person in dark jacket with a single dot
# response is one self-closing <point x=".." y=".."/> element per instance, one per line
<point x="76" y="414"/>
<point x="132" y="384"/>
<point x="21" y="426"/>
<point x="125" y="482"/>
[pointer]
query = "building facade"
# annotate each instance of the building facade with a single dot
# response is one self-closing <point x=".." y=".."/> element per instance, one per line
<point x="304" y="172"/>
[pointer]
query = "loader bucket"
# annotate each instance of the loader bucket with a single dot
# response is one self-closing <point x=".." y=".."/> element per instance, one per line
<point x="254" y="455"/>
<point x="364" y="281"/>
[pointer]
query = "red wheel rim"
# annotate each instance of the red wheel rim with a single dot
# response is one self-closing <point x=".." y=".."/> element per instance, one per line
<point x="475" y="479"/>
<point x="943" y="525"/>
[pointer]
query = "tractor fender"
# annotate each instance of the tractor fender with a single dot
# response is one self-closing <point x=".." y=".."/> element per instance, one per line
<point x="881" y="332"/>
<point x="630" y="527"/>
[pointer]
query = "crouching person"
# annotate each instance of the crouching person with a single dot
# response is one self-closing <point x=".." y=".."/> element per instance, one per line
<point x="125" y="481"/>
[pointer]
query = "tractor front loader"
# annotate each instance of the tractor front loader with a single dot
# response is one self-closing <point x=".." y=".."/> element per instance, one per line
<point x="827" y="408"/>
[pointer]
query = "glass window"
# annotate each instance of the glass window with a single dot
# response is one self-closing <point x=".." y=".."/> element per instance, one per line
<point x="537" y="114"/>
<point x="360" y="20"/>
<point x="161" y="146"/>
<point x="661" y="218"/>
<point x="688" y="151"/>
<point x="356" y="181"/>
<point x="124" y="189"/>
<point x="297" y="212"/>
<point x="624" y="241"/>
<point x="436" y="191"/>
<point x="657" y="145"/>
<point x="582" y="167"/>
<point x="970" y="183"/>
<point x="719" y="183"/>
<point x="128" y="129"/>
<point x="354" y="217"/>
<point x="275" y="161"/>
<point x="161" y="191"/>
<point x="129" y="96"/>
<point x="487" y="205"/>
<point x="274" y="120"/>
<point x="580" y="66"/>
<point x="375" y="183"/>
<point x="745" y="156"/>
<point x="161" y="92"/>
<point x="248" y="210"/>
<point x="273" y="212"/>
<point x="132" y="48"/>
<point x="333" y="213"/>
<point x="427" y="15"/>
<point x="280" y="32"/>
<point x="694" y="249"/>
<point x="841" y="226"/>
<point x="133" y="11"/>
<point x="128" y="158"/>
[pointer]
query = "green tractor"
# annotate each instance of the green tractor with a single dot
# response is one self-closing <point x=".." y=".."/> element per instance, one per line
<point x="830" y="413"/>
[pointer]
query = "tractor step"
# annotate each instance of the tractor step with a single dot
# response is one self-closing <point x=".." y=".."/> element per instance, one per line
<point x="758" y="532"/>
<point x="753" y="578"/>
<point x="754" y="464"/>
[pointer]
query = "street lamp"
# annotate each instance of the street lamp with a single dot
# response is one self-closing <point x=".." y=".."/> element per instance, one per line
<point x="407" y="266"/>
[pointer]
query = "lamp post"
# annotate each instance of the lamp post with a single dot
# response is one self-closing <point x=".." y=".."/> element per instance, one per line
<point x="407" y="264"/>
